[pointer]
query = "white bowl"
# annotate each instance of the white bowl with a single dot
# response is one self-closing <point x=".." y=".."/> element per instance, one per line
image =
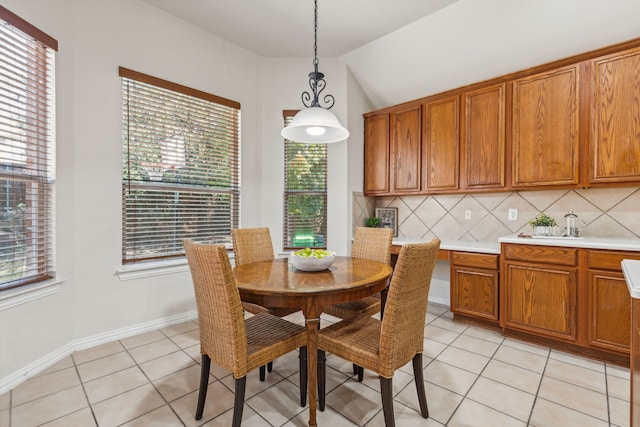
<point x="312" y="263"/>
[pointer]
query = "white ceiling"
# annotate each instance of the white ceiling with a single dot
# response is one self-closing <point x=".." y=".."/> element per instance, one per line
<point x="400" y="50"/>
<point x="284" y="28"/>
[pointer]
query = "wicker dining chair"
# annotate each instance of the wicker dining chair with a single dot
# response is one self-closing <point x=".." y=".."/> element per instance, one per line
<point x="369" y="243"/>
<point x="226" y="337"/>
<point x="255" y="245"/>
<point x="383" y="346"/>
<point x="374" y="244"/>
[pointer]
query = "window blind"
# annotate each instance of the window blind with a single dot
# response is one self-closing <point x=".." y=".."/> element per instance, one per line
<point x="27" y="144"/>
<point x="181" y="175"/>
<point x="305" y="193"/>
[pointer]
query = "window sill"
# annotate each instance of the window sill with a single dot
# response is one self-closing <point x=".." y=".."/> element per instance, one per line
<point x="28" y="293"/>
<point x="152" y="268"/>
<point x="155" y="268"/>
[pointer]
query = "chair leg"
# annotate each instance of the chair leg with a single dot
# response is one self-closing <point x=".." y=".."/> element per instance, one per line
<point x="386" y="389"/>
<point x="204" y="384"/>
<point x="360" y="373"/>
<point x="262" y="372"/>
<point x="417" y="374"/>
<point x="270" y="366"/>
<point x="322" y="379"/>
<point x="238" y="403"/>
<point x="302" y="357"/>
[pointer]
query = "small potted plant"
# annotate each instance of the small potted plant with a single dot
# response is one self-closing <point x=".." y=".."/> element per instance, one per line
<point x="542" y="224"/>
<point x="373" y="222"/>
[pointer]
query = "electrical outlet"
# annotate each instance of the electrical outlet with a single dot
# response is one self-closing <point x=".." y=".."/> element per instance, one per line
<point x="467" y="214"/>
<point x="513" y="214"/>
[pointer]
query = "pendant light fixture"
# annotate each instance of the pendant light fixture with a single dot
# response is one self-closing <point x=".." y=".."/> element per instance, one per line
<point x="315" y="124"/>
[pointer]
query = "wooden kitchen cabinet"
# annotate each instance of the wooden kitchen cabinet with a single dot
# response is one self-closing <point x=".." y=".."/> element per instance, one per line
<point x="615" y="118"/>
<point x="539" y="291"/>
<point x="609" y="302"/>
<point x="483" y="138"/>
<point x="545" y="143"/>
<point x="474" y="285"/>
<point x="376" y="154"/>
<point x="440" y="145"/>
<point x="405" y="151"/>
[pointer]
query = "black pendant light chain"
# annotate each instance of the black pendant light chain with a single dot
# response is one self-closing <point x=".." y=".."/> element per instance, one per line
<point x="316" y="78"/>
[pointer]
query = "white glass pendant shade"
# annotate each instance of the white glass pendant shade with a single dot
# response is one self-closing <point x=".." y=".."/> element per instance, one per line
<point x="315" y="125"/>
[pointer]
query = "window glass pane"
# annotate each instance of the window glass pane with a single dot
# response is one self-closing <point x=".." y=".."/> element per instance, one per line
<point x="180" y="171"/>
<point x="305" y="195"/>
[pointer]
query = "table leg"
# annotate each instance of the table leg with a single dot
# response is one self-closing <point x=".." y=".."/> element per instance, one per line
<point x="312" y="322"/>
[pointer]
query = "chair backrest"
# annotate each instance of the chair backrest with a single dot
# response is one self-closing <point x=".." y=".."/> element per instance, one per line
<point x="252" y="245"/>
<point x="372" y="243"/>
<point x="223" y="334"/>
<point x="402" y="333"/>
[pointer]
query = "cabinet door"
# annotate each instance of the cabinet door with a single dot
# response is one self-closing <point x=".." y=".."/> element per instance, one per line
<point x="376" y="154"/>
<point x="474" y="292"/>
<point x="405" y="151"/>
<point x="545" y="129"/>
<point x="441" y="141"/>
<point x="540" y="300"/>
<point x="483" y="138"/>
<point x="615" y="118"/>
<point x="609" y="311"/>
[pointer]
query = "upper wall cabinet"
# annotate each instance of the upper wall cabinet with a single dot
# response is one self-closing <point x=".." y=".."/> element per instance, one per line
<point x="440" y="142"/>
<point x="545" y="148"/>
<point x="573" y="123"/>
<point x="615" y="118"/>
<point x="405" y="151"/>
<point x="483" y="136"/>
<point x="376" y="154"/>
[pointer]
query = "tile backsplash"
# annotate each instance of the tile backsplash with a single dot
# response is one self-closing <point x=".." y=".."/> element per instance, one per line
<point x="607" y="212"/>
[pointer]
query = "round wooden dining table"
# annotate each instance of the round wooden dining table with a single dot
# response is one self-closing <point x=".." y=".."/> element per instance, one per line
<point x="278" y="284"/>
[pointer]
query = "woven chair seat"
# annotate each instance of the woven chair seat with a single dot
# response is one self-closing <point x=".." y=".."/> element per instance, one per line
<point x="269" y="337"/>
<point x="368" y="305"/>
<point x="276" y="311"/>
<point x="358" y="339"/>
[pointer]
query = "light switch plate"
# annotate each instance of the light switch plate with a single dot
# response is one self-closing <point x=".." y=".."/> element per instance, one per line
<point x="467" y="214"/>
<point x="513" y="214"/>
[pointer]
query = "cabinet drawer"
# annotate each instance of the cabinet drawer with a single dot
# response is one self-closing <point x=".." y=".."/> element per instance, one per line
<point x="609" y="260"/>
<point x="471" y="259"/>
<point x="541" y="254"/>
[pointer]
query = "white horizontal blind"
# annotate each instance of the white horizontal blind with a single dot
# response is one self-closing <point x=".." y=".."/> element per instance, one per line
<point x="180" y="167"/>
<point x="305" y="193"/>
<point x="27" y="140"/>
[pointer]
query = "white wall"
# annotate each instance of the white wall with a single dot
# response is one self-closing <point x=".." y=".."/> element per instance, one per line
<point x="95" y="37"/>
<point x="283" y="81"/>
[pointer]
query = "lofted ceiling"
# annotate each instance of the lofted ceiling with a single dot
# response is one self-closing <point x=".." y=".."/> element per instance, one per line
<point x="400" y="50"/>
<point x="284" y="28"/>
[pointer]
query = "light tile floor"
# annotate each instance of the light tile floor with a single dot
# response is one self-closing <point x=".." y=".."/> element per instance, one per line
<point x="473" y="377"/>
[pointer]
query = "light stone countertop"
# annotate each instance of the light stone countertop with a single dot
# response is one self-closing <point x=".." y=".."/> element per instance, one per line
<point x="631" y="270"/>
<point x="614" y="243"/>
<point x="457" y="245"/>
<point x="493" y="247"/>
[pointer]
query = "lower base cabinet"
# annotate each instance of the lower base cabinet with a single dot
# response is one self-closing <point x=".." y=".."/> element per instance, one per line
<point x="539" y="291"/>
<point x="474" y="285"/>
<point x="576" y="297"/>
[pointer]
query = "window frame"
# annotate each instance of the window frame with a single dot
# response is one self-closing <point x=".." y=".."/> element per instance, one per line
<point x="287" y="238"/>
<point x="193" y="188"/>
<point x="37" y="141"/>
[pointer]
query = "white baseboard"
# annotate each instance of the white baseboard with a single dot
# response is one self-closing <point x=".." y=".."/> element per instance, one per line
<point x="11" y="381"/>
